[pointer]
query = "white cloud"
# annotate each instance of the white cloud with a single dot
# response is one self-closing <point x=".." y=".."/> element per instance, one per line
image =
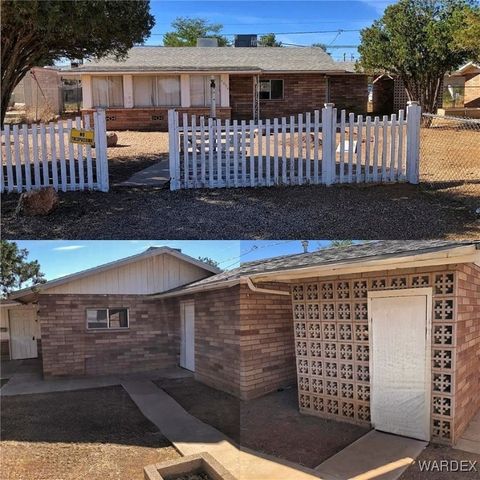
<point x="68" y="248"/>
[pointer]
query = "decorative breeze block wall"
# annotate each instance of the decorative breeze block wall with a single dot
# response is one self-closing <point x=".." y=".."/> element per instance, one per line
<point x="332" y="345"/>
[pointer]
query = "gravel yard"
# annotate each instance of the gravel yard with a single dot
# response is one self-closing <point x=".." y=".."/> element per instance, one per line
<point x="96" y="433"/>
<point x="135" y="151"/>
<point x="386" y="212"/>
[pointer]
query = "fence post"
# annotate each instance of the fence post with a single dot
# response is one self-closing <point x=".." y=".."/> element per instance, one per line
<point x="173" y="150"/>
<point x="414" y="115"/>
<point x="328" y="144"/>
<point x="101" y="149"/>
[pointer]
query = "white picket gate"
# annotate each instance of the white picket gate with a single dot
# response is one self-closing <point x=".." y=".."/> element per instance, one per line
<point x="325" y="147"/>
<point x="35" y="156"/>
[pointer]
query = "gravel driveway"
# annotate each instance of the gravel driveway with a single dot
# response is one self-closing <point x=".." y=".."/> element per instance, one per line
<point x="380" y="212"/>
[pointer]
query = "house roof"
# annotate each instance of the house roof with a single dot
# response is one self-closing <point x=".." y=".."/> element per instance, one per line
<point x="470" y="67"/>
<point x="150" y="252"/>
<point x="357" y="253"/>
<point x="221" y="59"/>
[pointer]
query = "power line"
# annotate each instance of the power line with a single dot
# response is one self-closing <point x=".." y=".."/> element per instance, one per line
<point x="328" y="46"/>
<point x="275" y="33"/>
<point x="253" y="249"/>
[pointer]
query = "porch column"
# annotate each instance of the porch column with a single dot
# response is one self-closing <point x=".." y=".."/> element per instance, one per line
<point x="185" y="90"/>
<point x="225" y="90"/>
<point x="87" y="91"/>
<point x="128" y="91"/>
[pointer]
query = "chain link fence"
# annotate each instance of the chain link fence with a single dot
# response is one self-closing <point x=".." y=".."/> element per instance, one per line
<point x="450" y="156"/>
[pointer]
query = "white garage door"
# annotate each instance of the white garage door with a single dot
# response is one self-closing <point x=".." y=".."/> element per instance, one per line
<point x="400" y="361"/>
<point x="23" y="333"/>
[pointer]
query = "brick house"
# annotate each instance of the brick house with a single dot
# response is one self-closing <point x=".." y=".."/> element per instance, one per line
<point x="101" y="320"/>
<point x="383" y="333"/>
<point x="249" y="83"/>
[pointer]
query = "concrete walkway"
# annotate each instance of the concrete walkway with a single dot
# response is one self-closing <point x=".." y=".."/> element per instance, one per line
<point x="190" y="436"/>
<point x="156" y="175"/>
<point x="376" y="455"/>
<point x="28" y="382"/>
<point x="470" y="439"/>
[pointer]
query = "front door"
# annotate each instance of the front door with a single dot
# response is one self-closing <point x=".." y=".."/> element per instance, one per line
<point x="187" y="344"/>
<point x="400" y="323"/>
<point x="23" y="333"/>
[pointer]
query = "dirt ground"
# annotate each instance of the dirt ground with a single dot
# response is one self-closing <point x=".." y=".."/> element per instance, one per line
<point x="135" y="151"/>
<point x="96" y="433"/>
<point x="437" y="453"/>
<point x="450" y="158"/>
<point x="386" y="212"/>
<point x="270" y="424"/>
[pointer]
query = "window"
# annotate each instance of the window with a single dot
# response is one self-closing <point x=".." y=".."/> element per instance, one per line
<point x="149" y="91"/>
<point x="271" y="89"/>
<point x="104" y="318"/>
<point x="107" y="91"/>
<point x="200" y="92"/>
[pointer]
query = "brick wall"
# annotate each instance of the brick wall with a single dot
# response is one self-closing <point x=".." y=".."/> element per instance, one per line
<point x="217" y="342"/>
<point x="467" y="366"/>
<point x="154" y="118"/>
<point x="267" y="342"/>
<point x="150" y="342"/>
<point x="472" y="91"/>
<point x="332" y="344"/>
<point x="383" y="96"/>
<point x="349" y="92"/>
<point x="303" y="92"/>
<point x="244" y="341"/>
<point x="4" y="349"/>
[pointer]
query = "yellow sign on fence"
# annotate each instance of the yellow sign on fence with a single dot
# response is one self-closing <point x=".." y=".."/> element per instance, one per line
<point x="86" y="137"/>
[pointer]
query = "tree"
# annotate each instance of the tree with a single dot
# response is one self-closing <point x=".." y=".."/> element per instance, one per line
<point x="269" y="40"/>
<point x="469" y="36"/>
<point x="209" y="261"/>
<point x="16" y="270"/>
<point x="417" y="40"/>
<point x="187" y="30"/>
<point x="39" y="32"/>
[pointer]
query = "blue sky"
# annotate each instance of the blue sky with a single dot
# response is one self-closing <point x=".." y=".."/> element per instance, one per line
<point x="277" y="16"/>
<point x="58" y="257"/>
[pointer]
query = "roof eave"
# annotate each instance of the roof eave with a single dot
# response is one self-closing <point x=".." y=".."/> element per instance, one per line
<point x="434" y="257"/>
<point x="115" y="264"/>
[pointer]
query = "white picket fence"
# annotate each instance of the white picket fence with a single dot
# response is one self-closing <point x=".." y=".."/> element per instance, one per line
<point x="325" y="147"/>
<point x="35" y="156"/>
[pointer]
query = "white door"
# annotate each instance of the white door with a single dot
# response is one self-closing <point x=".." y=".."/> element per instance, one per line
<point x="400" y="323"/>
<point x="187" y="344"/>
<point x="23" y="333"/>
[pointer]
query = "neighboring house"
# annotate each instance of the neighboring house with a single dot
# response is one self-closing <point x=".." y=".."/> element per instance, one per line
<point x="462" y="92"/>
<point x="40" y="89"/>
<point x="459" y="93"/>
<point x="383" y="333"/>
<point x="249" y="83"/>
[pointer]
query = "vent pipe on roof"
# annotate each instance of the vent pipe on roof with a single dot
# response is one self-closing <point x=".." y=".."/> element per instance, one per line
<point x="207" y="42"/>
<point x="305" y="246"/>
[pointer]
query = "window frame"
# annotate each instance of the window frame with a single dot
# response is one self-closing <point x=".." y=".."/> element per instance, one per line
<point x="269" y="80"/>
<point x="105" y="78"/>
<point x="156" y="103"/>
<point x="107" y="328"/>
<point x="206" y="90"/>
